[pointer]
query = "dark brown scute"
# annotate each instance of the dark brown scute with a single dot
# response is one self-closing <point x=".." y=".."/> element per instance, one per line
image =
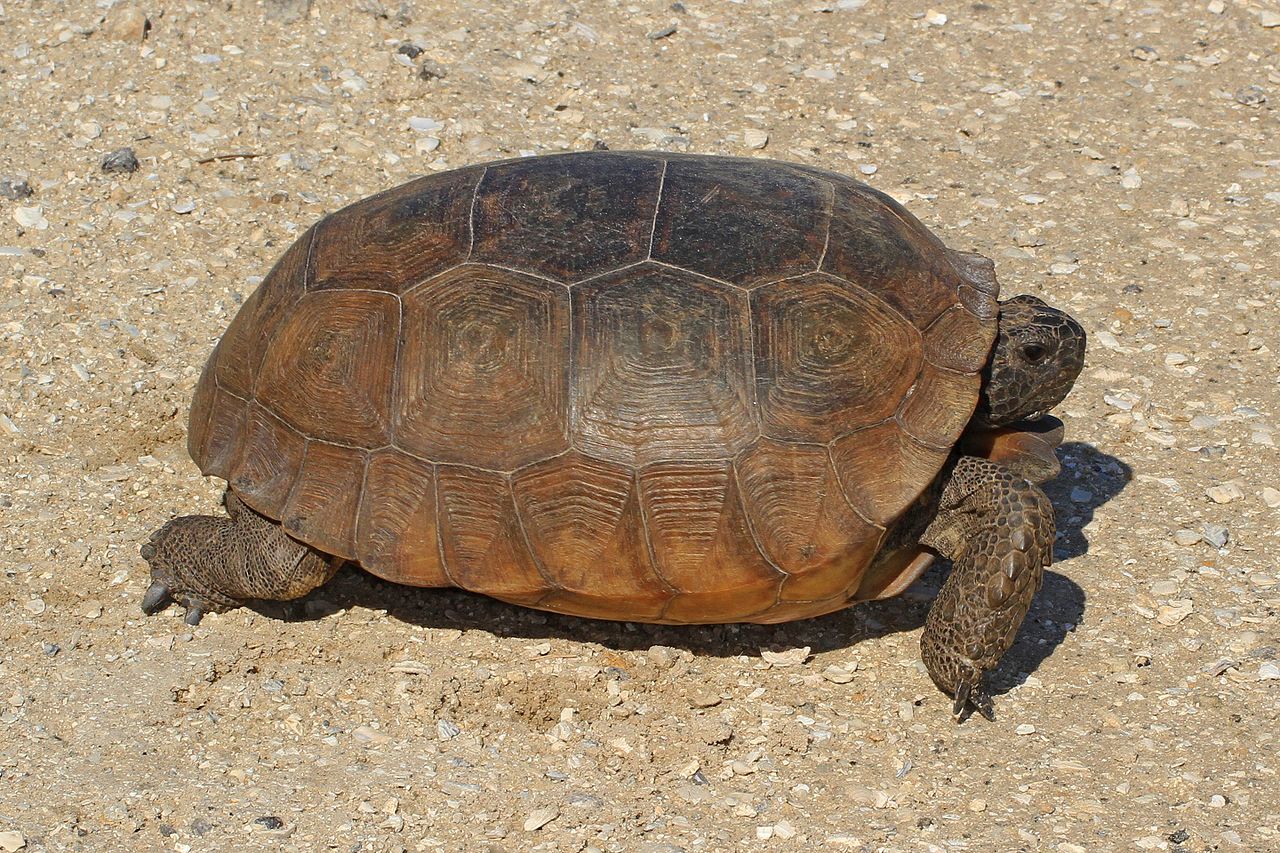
<point x="882" y="248"/>
<point x="940" y="404"/>
<point x="958" y="340"/>
<point x="398" y="238"/>
<point x="660" y="367"/>
<point x="483" y="373"/>
<point x="736" y="221"/>
<point x="567" y="217"/>
<point x="829" y="358"/>
<point x="269" y="463"/>
<point x="882" y="470"/>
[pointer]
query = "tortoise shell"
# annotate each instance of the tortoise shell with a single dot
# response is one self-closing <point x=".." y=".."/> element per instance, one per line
<point x="652" y="387"/>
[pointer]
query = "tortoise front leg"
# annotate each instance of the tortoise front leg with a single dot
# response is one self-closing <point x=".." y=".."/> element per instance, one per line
<point x="998" y="530"/>
<point x="208" y="563"/>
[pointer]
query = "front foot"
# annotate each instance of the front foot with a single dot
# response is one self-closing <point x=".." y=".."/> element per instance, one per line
<point x="176" y="577"/>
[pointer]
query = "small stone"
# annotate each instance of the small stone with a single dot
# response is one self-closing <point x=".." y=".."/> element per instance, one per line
<point x="1033" y="198"/>
<point x="31" y="217"/>
<point x="1251" y="96"/>
<point x="1225" y="493"/>
<point x="1215" y="534"/>
<point x="424" y="125"/>
<point x="704" y="699"/>
<point x="410" y="50"/>
<point x="1271" y="497"/>
<point x="269" y="821"/>
<point x="286" y="11"/>
<point x="935" y="19"/>
<point x="790" y="657"/>
<point x="868" y="168"/>
<point x="1269" y="18"/>
<point x="1130" y="180"/>
<point x="447" y="729"/>
<point x="764" y="833"/>
<point x="1174" y="612"/>
<point x="35" y="606"/>
<point x="1269" y="671"/>
<point x="1186" y="537"/>
<point x="1175" y="359"/>
<point x="755" y="138"/>
<point x="126" y="23"/>
<point x="1063" y="268"/>
<point x="1145" y="53"/>
<point x="11" y="841"/>
<point x="15" y="189"/>
<point x="1025" y="729"/>
<point x="657" y="35"/>
<point x="367" y="735"/>
<point x="122" y="160"/>
<point x="1217" y="801"/>
<point x="837" y="675"/>
<point x="540" y="818"/>
<point x="1215" y="7"/>
<point x="184" y="206"/>
<point x="784" y="829"/>
<point x="978" y="806"/>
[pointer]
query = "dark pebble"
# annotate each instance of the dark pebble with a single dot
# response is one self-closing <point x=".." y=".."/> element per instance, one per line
<point x="269" y="822"/>
<point x="15" y="190"/>
<point x="1132" y="289"/>
<point x="120" y="160"/>
<point x="662" y="33"/>
<point x="1251" y="96"/>
<point x="167" y="831"/>
<point x="200" y="826"/>
<point x="410" y="50"/>
<point x="1178" y="836"/>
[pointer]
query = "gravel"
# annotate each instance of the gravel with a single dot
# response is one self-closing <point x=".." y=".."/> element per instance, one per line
<point x="1140" y="708"/>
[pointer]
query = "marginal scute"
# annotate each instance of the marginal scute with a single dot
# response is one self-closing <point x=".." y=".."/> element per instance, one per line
<point x="269" y="461"/>
<point x="802" y="520"/>
<point x="328" y="371"/>
<point x="567" y="217"/>
<point x="939" y="406"/>
<point x="980" y="289"/>
<point x="221" y="439"/>
<point x="876" y="244"/>
<point x="397" y="537"/>
<point x="740" y="220"/>
<point x="700" y="539"/>
<point x="958" y="340"/>
<point x="398" y="238"/>
<point x="660" y="368"/>
<point x="882" y="470"/>
<point x="321" y="509"/>
<point x="583" y="521"/>
<point x="484" y="547"/>
<point x="830" y="358"/>
<point x="483" y="372"/>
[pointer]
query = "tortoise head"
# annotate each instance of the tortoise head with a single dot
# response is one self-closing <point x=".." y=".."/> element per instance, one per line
<point x="1038" y="355"/>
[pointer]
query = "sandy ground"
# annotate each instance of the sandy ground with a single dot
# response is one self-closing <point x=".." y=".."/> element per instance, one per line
<point x="1122" y="159"/>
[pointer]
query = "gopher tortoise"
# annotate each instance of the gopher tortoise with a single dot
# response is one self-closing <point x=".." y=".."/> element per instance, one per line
<point x="638" y="386"/>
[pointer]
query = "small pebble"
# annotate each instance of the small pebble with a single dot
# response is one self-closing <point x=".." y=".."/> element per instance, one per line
<point x="790" y="657"/>
<point x="754" y="138"/>
<point x="1063" y="268"/>
<point x="126" y="23"/>
<point x="978" y="806"/>
<point x="122" y="160"/>
<point x="1271" y="497"/>
<point x="1269" y="671"/>
<point x="424" y="125"/>
<point x="868" y="168"/>
<point x="540" y="818"/>
<point x="1216" y="535"/>
<point x="31" y="217"/>
<point x="184" y="206"/>
<point x="447" y="729"/>
<point x="11" y="841"/>
<point x="657" y="35"/>
<point x="1025" y="729"/>
<point x="1269" y="18"/>
<point x="269" y="822"/>
<point x="1251" y="96"/>
<point x="1145" y="53"/>
<point x="1215" y="7"/>
<point x="1225" y="493"/>
<point x="1130" y="180"/>
<point x="1217" y="801"/>
<point x="837" y="675"/>
<point x="410" y="50"/>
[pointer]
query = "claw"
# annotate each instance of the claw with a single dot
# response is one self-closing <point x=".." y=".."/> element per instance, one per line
<point x="157" y="598"/>
<point x="194" y="615"/>
<point x="960" y="702"/>
<point x="967" y="697"/>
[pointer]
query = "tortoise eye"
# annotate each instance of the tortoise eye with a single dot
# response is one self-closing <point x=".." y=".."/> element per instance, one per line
<point x="1035" y="353"/>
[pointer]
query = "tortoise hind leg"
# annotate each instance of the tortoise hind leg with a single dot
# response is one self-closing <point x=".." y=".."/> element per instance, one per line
<point x="213" y="564"/>
<point x="998" y="530"/>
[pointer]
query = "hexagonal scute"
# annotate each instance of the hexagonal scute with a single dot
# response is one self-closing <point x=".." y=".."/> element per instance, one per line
<point x="660" y="368"/>
<point x="830" y="358"/>
<point x="483" y="373"/>
<point x="398" y="238"/>
<point x="567" y="217"/>
<point x="702" y="543"/>
<point x="803" y="521"/>
<point x="583" y="521"/>
<point x="743" y="221"/>
<point x="876" y="244"/>
<point x="328" y="370"/>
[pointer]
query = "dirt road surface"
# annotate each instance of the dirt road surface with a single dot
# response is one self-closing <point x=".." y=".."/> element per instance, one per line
<point x="1120" y="158"/>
